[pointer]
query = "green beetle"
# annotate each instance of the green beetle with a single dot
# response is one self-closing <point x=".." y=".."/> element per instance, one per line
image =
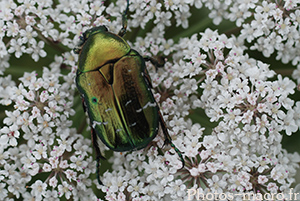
<point x="116" y="91"/>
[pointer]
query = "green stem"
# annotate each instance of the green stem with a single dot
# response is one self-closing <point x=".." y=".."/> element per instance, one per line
<point x="195" y="28"/>
<point x="284" y="72"/>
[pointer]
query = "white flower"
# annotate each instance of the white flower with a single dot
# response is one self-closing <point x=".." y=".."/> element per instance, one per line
<point x="65" y="189"/>
<point x="13" y="29"/>
<point x="262" y="179"/>
<point x="38" y="189"/>
<point x="216" y="184"/>
<point x="84" y="18"/>
<point x="45" y="124"/>
<point x="3" y="191"/>
<point x="17" y="47"/>
<point x="71" y="175"/>
<point x="40" y="151"/>
<point x="78" y="163"/>
<point x="9" y="135"/>
<point x="37" y="50"/>
<point x="51" y="195"/>
<point x="194" y="172"/>
<point x="28" y="35"/>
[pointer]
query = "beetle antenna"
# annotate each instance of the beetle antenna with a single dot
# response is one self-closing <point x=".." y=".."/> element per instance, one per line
<point x="122" y="32"/>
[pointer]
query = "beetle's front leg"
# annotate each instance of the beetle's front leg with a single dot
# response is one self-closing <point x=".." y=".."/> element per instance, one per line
<point x="124" y="21"/>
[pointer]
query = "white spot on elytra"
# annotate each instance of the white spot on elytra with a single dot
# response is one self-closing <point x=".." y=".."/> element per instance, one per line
<point x="118" y="130"/>
<point x="95" y="123"/>
<point x="108" y="109"/>
<point x="147" y="105"/>
<point x="128" y="102"/>
<point x="132" y="124"/>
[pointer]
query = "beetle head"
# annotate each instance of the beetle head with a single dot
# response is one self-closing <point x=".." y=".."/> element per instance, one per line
<point x="87" y="34"/>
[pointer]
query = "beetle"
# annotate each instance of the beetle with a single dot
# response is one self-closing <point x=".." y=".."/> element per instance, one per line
<point x="116" y="92"/>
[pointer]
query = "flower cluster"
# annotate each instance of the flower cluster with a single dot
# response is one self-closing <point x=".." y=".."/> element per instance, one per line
<point x="37" y="138"/>
<point x="45" y="155"/>
<point x="272" y="27"/>
<point x="243" y="152"/>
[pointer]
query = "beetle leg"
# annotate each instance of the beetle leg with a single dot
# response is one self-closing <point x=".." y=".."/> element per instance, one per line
<point x="83" y="105"/>
<point x="168" y="139"/>
<point x="98" y="154"/>
<point x="96" y="147"/>
<point x="155" y="63"/>
<point x="122" y="32"/>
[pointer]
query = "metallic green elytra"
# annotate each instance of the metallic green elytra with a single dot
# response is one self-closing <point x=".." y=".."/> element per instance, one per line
<point x="116" y="91"/>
